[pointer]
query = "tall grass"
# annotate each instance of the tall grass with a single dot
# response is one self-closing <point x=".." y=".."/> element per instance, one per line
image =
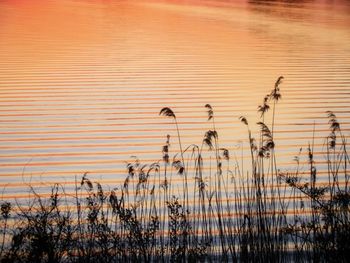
<point x="224" y="212"/>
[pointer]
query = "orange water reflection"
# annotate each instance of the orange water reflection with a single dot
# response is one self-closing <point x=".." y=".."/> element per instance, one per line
<point x="82" y="82"/>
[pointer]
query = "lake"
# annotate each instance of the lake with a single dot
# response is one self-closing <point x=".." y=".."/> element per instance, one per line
<point x="82" y="82"/>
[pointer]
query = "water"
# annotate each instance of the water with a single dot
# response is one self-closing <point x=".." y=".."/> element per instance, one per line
<point x="82" y="82"/>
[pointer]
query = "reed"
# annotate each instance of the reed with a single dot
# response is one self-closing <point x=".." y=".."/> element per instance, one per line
<point x="225" y="212"/>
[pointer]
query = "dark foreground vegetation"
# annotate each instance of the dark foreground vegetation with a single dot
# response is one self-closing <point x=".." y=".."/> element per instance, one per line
<point x="222" y="212"/>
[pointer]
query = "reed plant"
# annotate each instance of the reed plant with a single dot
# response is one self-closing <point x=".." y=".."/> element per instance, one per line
<point x="218" y="212"/>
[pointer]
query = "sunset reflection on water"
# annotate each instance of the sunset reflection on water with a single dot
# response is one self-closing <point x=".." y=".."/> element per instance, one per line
<point x="82" y="82"/>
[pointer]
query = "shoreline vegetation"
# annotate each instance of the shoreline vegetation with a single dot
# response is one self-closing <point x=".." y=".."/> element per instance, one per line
<point x="259" y="214"/>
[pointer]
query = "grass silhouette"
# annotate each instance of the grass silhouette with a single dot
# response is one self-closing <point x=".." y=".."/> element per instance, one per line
<point x="264" y="215"/>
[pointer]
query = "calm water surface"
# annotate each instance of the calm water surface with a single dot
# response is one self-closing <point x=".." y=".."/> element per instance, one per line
<point x="82" y="82"/>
